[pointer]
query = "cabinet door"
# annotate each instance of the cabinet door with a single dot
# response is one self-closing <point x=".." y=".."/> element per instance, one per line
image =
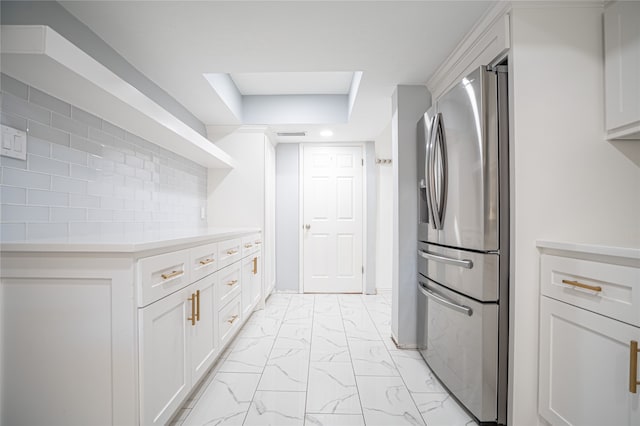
<point x="256" y="279"/>
<point x="203" y="336"/>
<point x="622" y="69"/>
<point x="247" y="285"/>
<point x="165" y="378"/>
<point x="585" y="367"/>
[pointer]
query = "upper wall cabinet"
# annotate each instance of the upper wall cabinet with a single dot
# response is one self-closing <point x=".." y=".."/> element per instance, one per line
<point x="622" y="69"/>
<point x="40" y="57"/>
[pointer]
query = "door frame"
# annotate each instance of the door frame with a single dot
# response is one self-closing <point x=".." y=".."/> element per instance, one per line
<point x="362" y="147"/>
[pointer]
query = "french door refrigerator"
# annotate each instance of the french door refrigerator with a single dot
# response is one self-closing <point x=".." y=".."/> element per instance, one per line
<point x="463" y="249"/>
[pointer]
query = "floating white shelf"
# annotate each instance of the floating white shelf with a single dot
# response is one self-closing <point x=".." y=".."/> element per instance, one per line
<point x="42" y="58"/>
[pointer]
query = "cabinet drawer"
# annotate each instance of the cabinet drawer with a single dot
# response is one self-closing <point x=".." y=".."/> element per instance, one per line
<point x="229" y="284"/>
<point x="251" y="244"/>
<point x="610" y="290"/>
<point x="161" y="275"/>
<point x="204" y="260"/>
<point x="229" y="319"/>
<point x="229" y="251"/>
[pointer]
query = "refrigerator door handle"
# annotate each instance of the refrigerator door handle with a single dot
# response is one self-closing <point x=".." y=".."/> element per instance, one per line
<point x="463" y="263"/>
<point x="428" y="131"/>
<point x="444" y="301"/>
<point x="438" y="193"/>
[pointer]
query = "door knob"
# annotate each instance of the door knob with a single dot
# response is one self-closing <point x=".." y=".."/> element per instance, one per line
<point x="307" y="226"/>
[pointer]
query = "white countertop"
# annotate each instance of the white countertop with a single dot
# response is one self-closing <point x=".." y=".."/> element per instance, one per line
<point x="623" y="252"/>
<point x="130" y="243"/>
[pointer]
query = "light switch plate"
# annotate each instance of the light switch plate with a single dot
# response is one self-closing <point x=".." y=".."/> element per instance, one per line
<point x="14" y="143"/>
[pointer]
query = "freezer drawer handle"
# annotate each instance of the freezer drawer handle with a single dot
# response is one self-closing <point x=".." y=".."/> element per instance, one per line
<point x="444" y="301"/>
<point x="464" y="263"/>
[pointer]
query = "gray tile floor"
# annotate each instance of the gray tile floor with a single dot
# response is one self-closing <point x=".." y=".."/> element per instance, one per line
<point x="320" y="360"/>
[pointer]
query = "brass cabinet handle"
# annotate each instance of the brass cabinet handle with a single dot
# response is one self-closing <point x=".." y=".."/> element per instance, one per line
<point x="633" y="366"/>
<point x="198" y="305"/>
<point x="257" y="242"/>
<point x="248" y="245"/>
<point x="192" y="318"/>
<point x="171" y="274"/>
<point x="255" y="265"/>
<point x="232" y="252"/>
<point x="586" y="286"/>
<point x="232" y="283"/>
<point x="232" y="319"/>
<point x="207" y="261"/>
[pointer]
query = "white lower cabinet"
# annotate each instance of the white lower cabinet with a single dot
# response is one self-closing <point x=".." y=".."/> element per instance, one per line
<point x="251" y="282"/>
<point x="116" y="338"/>
<point x="164" y="356"/>
<point x="585" y="361"/>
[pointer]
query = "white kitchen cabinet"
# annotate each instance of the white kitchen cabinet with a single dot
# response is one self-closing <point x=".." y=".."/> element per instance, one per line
<point x="245" y="196"/>
<point x="622" y="69"/>
<point x="588" y="325"/>
<point x="251" y="282"/>
<point x="585" y="367"/>
<point x="93" y="334"/>
<point x="165" y="375"/>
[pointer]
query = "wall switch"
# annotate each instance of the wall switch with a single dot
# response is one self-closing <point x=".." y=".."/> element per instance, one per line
<point x="14" y="143"/>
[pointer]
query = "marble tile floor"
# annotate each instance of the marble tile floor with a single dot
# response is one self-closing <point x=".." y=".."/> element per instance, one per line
<point x="320" y="360"/>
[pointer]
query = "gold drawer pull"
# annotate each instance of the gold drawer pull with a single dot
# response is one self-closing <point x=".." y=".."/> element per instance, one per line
<point x="207" y="261"/>
<point x="248" y="245"/>
<point x="586" y="286"/>
<point x="258" y="242"/>
<point x="171" y="274"/>
<point x="232" y="283"/>
<point x="192" y="318"/>
<point x="633" y="366"/>
<point x="232" y="252"/>
<point x="232" y="319"/>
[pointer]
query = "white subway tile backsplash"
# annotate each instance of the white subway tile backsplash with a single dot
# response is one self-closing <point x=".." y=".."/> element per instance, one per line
<point x="47" y="133"/>
<point x="112" y="129"/>
<point x="47" y="165"/>
<point x="100" y="215"/>
<point x="81" y="200"/>
<point x="37" y="197"/>
<point x="15" y="213"/>
<point x="69" y="125"/>
<point x="13" y="162"/>
<point x="85" y="176"/>
<point x="39" y="146"/>
<point x="82" y="172"/>
<point x="61" y="214"/>
<point x="13" y="86"/>
<point x="82" y="144"/>
<point x="21" y="107"/>
<point x="13" y="121"/>
<point x="85" y="117"/>
<point x="69" y="155"/>
<point x="72" y="186"/>
<point x="38" y="231"/>
<point x="49" y="102"/>
<point x="12" y="195"/>
<point x="112" y="203"/>
<point x="13" y="231"/>
<point x="25" y="179"/>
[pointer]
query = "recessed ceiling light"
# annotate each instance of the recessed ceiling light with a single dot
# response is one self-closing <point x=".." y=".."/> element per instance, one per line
<point x="326" y="133"/>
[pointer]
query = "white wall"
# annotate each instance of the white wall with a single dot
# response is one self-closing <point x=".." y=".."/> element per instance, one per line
<point x="384" y="210"/>
<point x="408" y="104"/>
<point x="569" y="183"/>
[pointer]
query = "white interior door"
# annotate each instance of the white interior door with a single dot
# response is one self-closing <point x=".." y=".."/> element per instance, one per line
<point x="332" y="219"/>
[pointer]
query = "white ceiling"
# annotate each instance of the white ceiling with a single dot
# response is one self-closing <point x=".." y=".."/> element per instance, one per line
<point x="175" y="42"/>
<point x="293" y="83"/>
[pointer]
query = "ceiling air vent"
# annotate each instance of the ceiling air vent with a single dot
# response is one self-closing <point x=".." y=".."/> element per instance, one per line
<point x="293" y="134"/>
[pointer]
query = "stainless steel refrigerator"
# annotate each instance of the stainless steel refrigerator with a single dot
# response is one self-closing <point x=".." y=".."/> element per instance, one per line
<point x="463" y="248"/>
